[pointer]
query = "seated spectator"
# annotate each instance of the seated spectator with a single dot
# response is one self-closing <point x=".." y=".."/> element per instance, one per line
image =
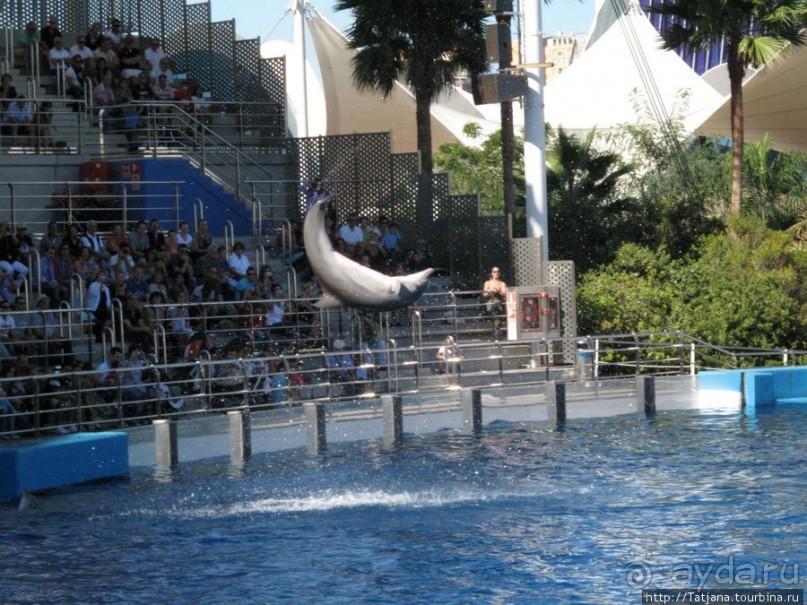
<point x="92" y="239"/>
<point x="50" y="33"/>
<point x="419" y="258"/>
<point x="99" y="68"/>
<point x="182" y="96"/>
<point x="141" y="88"/>
<point x="107" y="380"/>
<point x="65" y="266"/>
<point x="10" y="257"/>
<point x="353" y="236"/>
<point x="238" y="262"/>
<point x="391" y="243"/>
<point x="99" y="303"/>
<point x="103" y="94"/>
<point x="180" y="264"/>
<point x="74" y="78"/>
<point x="48" y="278"/>
<point x="130" y="58"/>
<point x="29" y="40"/>
<point x="52" y="237"/>
<point x="342" y="370"/>
<point x="156" y="236"/>
<point x="18" y="118"/>
<point x="7" y="91"/>
<point x="114" y="240"/>
<point x="139" y="241"/>
<point x="158" y="282"/>
<point x="106" y="53"/>
<point x="184" y="237"/>
<point x="153" y="54"/>
<point x="137" y="283"/>
<point x="163" y="68"/>
<point x="176" y="288"/>
<point x="122" y="261"/>
<point x="94" y="36"/>
<point x="376" y="255"/>
<point x="81" y="49"/>
<point x="449" y="356"/>
<point x="135" y="392"/>
<point x="201" y="241"/>
<point x="115" y="34"/>
<point x="179" y="320"/>
<point x="136" y="327"/>
<point x="248" y="282"/>
<point x="58" y="56"/>
<point x="277" y="312"/>
<point x="205" y="262"/>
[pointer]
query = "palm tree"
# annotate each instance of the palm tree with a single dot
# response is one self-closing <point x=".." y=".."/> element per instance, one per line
<point x="422" y="42"/>
<point x="588" y="220"/>
<point x="755" y="34"/>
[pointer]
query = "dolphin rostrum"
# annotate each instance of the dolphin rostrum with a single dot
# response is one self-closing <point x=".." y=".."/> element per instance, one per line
<point x="346" y="282"/>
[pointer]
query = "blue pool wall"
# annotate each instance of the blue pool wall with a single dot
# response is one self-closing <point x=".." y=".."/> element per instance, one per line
<point x="63" y="460"/>
<point x="760" y="387"/>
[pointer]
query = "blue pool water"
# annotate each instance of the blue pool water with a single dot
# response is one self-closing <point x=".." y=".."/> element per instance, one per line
<point x="519" y="514"/>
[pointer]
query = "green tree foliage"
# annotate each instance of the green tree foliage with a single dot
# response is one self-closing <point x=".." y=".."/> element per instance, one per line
<point x="775" y="188"/>
<point x="419" y="42"/>
<point x="755" y="33"/>
<point x="588" y="218"/>
<point x="743" y="288"/>
<point x="479" y="169"/>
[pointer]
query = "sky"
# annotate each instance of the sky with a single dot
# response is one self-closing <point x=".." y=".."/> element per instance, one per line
<point x="265" y="19"/>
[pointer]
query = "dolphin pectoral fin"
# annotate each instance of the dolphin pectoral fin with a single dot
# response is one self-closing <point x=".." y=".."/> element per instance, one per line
<point x="328" y="301"/>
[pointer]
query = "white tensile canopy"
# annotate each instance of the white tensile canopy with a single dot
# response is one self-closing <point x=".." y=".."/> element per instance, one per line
<point x="625" y="59"/>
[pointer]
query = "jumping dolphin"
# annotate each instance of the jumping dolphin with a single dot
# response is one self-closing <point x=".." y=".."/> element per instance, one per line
<point x="346" y="282"/>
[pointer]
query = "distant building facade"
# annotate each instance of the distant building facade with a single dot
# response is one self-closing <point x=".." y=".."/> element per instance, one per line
<point x="562" y="50"/>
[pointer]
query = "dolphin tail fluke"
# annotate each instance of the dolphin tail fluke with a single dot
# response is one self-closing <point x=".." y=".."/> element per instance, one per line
<point x="413" y="281"/>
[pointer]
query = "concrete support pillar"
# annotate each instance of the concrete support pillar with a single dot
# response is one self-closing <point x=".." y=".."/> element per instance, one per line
<point x="392" y="411"/>
<point x="556" y="402"/>
<point x="316" y="440"/>
<point x="165" y="440"/>
<point x="240" y="435"/>
<point x="471" y="410"/>
<point x="646" y="395"/>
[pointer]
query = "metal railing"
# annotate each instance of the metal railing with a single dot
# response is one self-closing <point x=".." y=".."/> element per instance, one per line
<point x="71" y="397"/>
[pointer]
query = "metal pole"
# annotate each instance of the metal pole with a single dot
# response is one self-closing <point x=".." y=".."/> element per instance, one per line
<point x="534" y="134"/>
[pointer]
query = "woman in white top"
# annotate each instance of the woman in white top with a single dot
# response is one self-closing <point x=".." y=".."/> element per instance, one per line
<point x="183" y="235"/>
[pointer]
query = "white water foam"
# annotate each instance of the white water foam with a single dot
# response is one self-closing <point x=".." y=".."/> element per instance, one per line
<point x="336" y="500"/>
